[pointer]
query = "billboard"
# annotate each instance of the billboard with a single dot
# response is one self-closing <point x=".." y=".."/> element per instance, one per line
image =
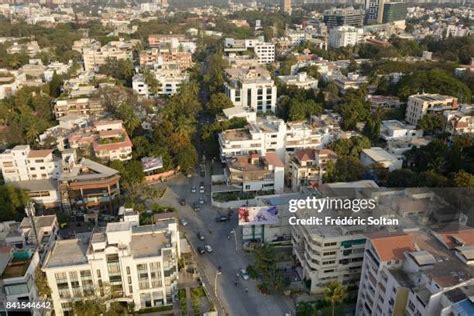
<point x="261" y="215"/>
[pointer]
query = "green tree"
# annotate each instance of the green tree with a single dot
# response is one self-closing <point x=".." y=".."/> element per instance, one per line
<point x="218" y="102"/>
<point x="55" y="85"/>
<point x="186" y="158"/>
<point x="12" y="201"/>
<point x="335" y="293"/>
<point x="130" y="120"/>
<point x="120" y="69"/>
<point x="354" y="108"/>
<point x="431" y="122"/>
<point x="346" y="169"/>
<point x="41" y="283"/>
<point x="463" y="179"/>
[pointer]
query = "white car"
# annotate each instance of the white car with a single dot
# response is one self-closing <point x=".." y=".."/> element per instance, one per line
<point x="184" y="222"/>
<point x="208" y="248"/>
<point x="243" y="274"/>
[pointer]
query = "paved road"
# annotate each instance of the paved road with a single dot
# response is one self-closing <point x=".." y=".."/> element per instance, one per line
<point x="234" y="299"/>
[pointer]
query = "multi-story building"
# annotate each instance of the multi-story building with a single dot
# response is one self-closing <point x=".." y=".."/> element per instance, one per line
<point x="420" y="272"/>
<point x="81" y="106"/>
<point x="172" y="43"/>
<point x="301" y="81"/>
<point x="274" y="135"/>
<point x="158" y="58"/>
<point x="306" y="167"/>
<point x="374" y="11"/>
<point x="10" y="82"/>
<point x="383" y="102"/>
<point x="351" y="81"/>
<point x="393" y="129"/>
<point x="31" y="48"/>
<point x="285" y="6"/>
<point x="378" y="156"/>
<point x="22" y="163"/>
<point x="344" y="16"/>
<point x="256" y="173"/>
<point x="134" y="265"/>
<point x="107" y="139"/>
<point x="87" y="184"/>
<point x="327" y="253"/>
<point x="461" y="121"/>
<point x="251" y="88"/>
<point x="17" y="278"/>
<point x="394" y="11"/>
<point x="420" y="104"/>
<point x="94" y="58"/>
<point x="343" y="36"/>
<point x="265" y="53"/>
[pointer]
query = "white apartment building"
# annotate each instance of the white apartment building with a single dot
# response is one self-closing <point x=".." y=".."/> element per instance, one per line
<point x="251" y="88"/>
<point x="124" y="263"/>
<point x="377" y="155"/>
<point x="345" y="35"/>
<point x="80" y="106"/>
<point x="301" y="81"/>
<point x="140" y="86"/>
<point x="10" y="82"/>
<point x="306" y="167"/>
<point x="23" y="164"/>
<point x="265" y="53"/>
<point x="17" y="272"/>
<point x="393" y="129"/>
<point x="256" y="173"/>
<point x="416" y="273"/>
<point x="420" y="104"/>
<point x="461" y="121"/>
<point x="94" y="58"/>
<point x="271" y="134"/>
<point x="169" y="81"/>
<point x="351" y="81"/>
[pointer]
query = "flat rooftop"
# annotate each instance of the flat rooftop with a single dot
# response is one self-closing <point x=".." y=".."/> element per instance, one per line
<point x="68" y="252"/>
<point x="379" y="154"/>
<point x="236" y="134"/>
<point x="432" y="97"/>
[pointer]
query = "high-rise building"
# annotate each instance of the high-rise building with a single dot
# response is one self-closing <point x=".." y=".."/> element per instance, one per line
<point x="286" y="6"/>
<point x="344" y="16"/>
<point x="374" y="11"/>
<point x="343" y="36"/>
<point x="394" y="11"/>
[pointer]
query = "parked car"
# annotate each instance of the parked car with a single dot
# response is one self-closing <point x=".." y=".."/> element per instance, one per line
<point x="243" y="274"/>
<point x="182" y="202"/>
<point x="183" y="222"/>
<point x="201" y="236"/>
<point x="201" y="201"/>
<point x="196" y="207"/>
<point x="222" y="218"/>
<point x="193" y="189"/>
<point x="208" y="248"/>
<point x="201" y="250"/>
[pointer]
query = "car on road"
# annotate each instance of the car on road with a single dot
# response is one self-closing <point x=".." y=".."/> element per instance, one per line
<point x="208" y="248"/>
<point x="201" y="250"/>
<point x="196" y="207"/>
<point x="182" y="202"/>
<point x="243" y="274"/>
<point x="183" y="222"/>
<point x="222" y="218"/>
<point x="193" y="189"/>
<point x="201" y="236"/>
<point x="201" y="187"/>
<point x="201" y="201"/>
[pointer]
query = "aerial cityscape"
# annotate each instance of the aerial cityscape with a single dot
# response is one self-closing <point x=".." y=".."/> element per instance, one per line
<point x="237" y="157"/>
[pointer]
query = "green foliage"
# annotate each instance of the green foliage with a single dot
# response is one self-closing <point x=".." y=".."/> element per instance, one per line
<point x="120" y="69"/>
<point x="26" y="114"/>
<point x="346" y="169"/>
<point x="334" y="293"/>
<point x="218" y="102"/>
<point x="187" y="158"/>
<point x="464" y="179"/>
<point x="55" y="86"/>
<point x="457" y="49"/>
<point x="433" y="81"/>
<point x="210" y="132"/>
<point x="350" y="147"/>
<point x="271" y="277"/>
<point x="126" y="113"/>
<point x="372" y="128"/>
<point x="41" y="283"/>
<point x="131" y="172"/>
<point x="214" y="74"/>
<point x="431" y="122"/>
<point x="354" y="108"/>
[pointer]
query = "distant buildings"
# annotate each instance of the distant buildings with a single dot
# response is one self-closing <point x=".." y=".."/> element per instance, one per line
<point x="343" y="36"/>
<point x="394" y="11"/>
<point x="374" y="11"/>
<point x="286" y="6"/>
<point x="251" y="88"/>
<point x="80" y="106"/>
<point x="136" y="264"/>
<point x="264" y="52"/>
<point x="343" y="16"/>
<point x="96" y="57"/>
<point x="420" y="104"/>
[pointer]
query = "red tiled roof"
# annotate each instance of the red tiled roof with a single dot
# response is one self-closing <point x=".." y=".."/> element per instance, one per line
<point x="466" y="236"/>
<point x="392" y="246"/>
<point x="273" y="159"/>
<point x="305" y="154"/>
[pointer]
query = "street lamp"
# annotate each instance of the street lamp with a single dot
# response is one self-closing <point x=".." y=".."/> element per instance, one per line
<point x="215" y="283"/>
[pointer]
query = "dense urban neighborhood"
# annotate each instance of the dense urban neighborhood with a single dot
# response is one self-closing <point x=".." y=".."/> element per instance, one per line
<point x="178" y="157"/>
